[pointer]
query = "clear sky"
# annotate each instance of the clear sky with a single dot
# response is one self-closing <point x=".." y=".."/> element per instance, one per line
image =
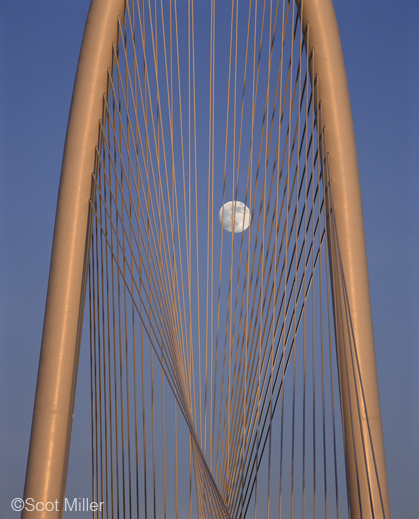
<point x="39" y="46"/>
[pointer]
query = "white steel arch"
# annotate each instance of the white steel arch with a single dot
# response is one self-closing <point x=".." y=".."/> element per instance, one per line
<point x="333" y="96"/>
<point x="56" y="384"/>
<point x="54" y="403"/>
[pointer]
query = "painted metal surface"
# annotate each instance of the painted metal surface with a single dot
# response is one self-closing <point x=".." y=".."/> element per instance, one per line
<point x="54" y="402"/>
<point x="365" y="458"/>
<point x="56" y="384"/>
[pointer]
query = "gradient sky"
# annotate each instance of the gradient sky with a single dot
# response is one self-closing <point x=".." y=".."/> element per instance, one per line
<point x="39" y="46"/>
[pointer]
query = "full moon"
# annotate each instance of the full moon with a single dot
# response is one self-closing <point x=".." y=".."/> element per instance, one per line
<point x="241" y="220"/>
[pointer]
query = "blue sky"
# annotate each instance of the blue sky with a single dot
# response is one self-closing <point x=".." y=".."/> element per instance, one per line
<point x="39" y="46"/>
